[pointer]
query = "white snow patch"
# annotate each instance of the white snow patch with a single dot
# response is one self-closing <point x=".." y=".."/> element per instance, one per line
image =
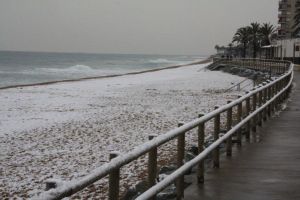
<point x="68" y="129"/>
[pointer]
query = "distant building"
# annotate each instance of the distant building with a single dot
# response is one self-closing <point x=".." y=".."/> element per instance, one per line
<point x="221" y="51"/>
<point x="286" y="46"/>
<point x="285" y="49"/>
<point x="288" y="49"/>
<point x="287" y="12"/>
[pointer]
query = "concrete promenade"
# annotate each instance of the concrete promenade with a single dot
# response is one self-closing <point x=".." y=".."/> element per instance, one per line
<point x="264" y="170"/>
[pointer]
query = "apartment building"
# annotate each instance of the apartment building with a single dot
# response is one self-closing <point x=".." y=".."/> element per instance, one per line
<point x="287" y="10"/>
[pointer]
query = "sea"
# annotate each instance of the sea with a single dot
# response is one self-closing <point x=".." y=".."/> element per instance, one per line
<point x="19" y="68"/>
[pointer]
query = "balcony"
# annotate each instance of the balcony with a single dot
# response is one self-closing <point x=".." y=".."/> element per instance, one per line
<point x="284" y="27"/>
<point x="282" y="14"/>
<point x="281" y="33"/>
<point x="283" y="1"/>
<point x="283" y="7"/>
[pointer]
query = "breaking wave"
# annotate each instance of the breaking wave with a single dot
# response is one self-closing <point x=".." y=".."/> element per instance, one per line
<point x="161" y="61"/>
<point x="72" y="69"/>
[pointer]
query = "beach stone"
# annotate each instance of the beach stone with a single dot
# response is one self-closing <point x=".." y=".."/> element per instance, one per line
<point x="244" y="130"/>
<point x="243" y="72"/>
<point x="189" y="156"/>
<point x="209" y="140"/>
<point x="168" y="193"/>
<point x="167" y="169"/>
<point x="53" y="183"/>
<point x="223" y="131"/>
<point x="141" y="186"/>
<point x="134" y="192"/>
<point x="193" y="149"/>
<point x="130" y="194"/>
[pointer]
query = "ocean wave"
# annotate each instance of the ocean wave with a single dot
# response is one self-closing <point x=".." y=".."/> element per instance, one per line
<point x="161" y="61"/>
<point x="72" y="69"/>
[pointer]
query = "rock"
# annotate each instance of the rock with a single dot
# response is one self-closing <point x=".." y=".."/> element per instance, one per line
<point x="142" y="186"/>
<point x="222" y="145"/>
<point x="53" y="183"/>
<point x="223" y="131"/>
<point x="130" y="194"/>
<point x="243" y="72"/>
<point x="135" y="191"/>
<point x="167" y="169"/>
<point x="189" y="156"/>
<point x="209" y="140"/>
<point x="168" y="193"/>
<point x="244" y="130"/>
<point x="193" y="150"/>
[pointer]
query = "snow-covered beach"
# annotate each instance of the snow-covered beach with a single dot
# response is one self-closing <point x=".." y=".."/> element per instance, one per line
<point x="66" y="130"/>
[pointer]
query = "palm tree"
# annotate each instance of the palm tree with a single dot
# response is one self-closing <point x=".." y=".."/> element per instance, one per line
<point x="242" y="37"/>
<point x="254" y="30"/>
<point x="217" y="47"/>
<point x="266" y="31"/>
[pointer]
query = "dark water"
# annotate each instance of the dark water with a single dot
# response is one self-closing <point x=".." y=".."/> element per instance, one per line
<point x="31" y="67"/>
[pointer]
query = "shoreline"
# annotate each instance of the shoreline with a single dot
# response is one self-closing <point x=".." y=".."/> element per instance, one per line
<point x="206" y="60"/>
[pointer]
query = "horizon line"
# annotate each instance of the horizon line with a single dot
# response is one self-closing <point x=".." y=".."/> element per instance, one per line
<point x="71" y="52"/>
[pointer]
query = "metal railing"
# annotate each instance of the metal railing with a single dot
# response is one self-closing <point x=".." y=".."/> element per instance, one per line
<point x="273" y="67"/>
<point x="252" y="109"/>
<point x="241" y="85"/>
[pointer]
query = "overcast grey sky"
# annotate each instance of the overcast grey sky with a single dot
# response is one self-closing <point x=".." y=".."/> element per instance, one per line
<point x="127" y="26"/>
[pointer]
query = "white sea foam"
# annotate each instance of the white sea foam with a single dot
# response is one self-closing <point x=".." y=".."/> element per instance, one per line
<point x="73" y="69"/>
<point x="162" y="60"/>
<point x="78" y="69"/>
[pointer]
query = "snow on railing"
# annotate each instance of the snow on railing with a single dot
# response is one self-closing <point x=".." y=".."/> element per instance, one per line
<point x="192" y="163"/>
<point x="265" y="98"/>
<point x="239" y="86"/>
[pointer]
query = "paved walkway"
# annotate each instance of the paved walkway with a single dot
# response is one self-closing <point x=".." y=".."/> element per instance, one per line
<point x="269" y="169"/>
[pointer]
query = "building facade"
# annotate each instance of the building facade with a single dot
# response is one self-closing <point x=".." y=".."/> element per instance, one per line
<point x="287" y="11"/>
<point x="284" y="49"/>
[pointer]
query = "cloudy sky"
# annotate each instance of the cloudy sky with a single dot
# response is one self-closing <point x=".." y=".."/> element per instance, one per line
<point x="127" y="26"/>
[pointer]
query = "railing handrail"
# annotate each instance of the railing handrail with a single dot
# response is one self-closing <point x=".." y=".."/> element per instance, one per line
<point x="183" y="169"/>
<point x="69" y="188"/>
<point x="253" y="59"/>
<point x="237" y="84"/>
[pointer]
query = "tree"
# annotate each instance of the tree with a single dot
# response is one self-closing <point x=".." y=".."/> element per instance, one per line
<point x="254" y="30"/>
<point x="242" y="37"/>
<point x="230" y="45"/>
<point x="266" y="31"/>
<point x="217" y="47"/>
